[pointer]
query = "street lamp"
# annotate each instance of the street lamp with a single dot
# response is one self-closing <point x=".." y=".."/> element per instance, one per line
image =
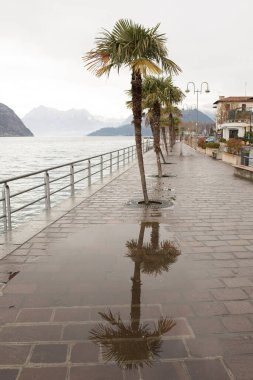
<point x="197" y="92"/>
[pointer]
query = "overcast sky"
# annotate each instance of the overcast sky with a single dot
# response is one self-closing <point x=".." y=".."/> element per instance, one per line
<point x="42" y="42"/>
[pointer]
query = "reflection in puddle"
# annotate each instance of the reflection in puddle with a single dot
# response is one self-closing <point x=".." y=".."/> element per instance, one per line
<point x="11" y="276"/>
<point x="7" y="277"/>
<point x="133" y="343"/>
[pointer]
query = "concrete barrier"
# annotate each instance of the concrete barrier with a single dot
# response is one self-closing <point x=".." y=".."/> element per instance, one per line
<point x="244" y="171"/>
<point x="232" y="159"/>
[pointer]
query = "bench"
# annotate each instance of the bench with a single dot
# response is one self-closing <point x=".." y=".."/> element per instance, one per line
<point x="244" y="171"/>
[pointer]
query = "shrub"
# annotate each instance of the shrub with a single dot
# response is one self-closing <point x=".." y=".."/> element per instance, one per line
<point x="202" y="142"/>
<point x="213" y="145"/>
<point x="222" y="140"/>
<point x="234" y="146"/>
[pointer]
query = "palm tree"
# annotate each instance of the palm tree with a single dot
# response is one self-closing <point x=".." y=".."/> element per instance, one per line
<point x="133" y="344"/>
<point x="154" y="94"/>
<point x="176" y="96"/>
<point x="164" y="127"/>
<point x="158" y="92"/>
<point x="141" y="49"/>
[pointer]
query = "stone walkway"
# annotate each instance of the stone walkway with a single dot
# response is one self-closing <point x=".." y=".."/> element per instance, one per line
<point x="55" y="285"/>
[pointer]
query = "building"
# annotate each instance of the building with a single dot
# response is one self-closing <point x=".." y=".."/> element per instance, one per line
<point x="234" y="116"/>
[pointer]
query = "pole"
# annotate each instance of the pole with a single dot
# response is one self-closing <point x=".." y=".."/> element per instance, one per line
<point x="197" y="124"/>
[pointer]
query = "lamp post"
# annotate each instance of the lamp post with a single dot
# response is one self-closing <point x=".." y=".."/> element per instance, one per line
<point x="197" y="91"/>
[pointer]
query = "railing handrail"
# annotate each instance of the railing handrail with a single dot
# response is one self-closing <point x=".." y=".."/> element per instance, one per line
<point x="60" y="166"/>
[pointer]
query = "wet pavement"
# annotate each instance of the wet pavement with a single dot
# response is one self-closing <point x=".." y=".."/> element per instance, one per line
<point x="116" y="291"/>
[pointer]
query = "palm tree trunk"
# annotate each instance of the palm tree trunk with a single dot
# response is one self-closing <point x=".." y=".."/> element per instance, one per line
<point x="136" y="287"/>
<point x="154" y="136"/>
<point x="137" y="115"/>
<point x="165" y="140"/>
<point x="155" y="235"/>
<point x="156" y="128"/>
<point x="161" y="154"/>
<point x="171" y="131"/>
<point x="136" y="296"/>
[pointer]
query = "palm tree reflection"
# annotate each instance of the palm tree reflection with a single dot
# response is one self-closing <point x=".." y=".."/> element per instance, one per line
<point x="134" y="343"/>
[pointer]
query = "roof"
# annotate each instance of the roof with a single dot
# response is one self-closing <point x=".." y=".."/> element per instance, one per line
<point x="234" y="99"/>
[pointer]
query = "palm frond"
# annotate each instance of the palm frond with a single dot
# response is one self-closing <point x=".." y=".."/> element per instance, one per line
<point x="130" y="44"/>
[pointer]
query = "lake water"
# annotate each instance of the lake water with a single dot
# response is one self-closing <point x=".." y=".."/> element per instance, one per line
<point x="22" y="155"/>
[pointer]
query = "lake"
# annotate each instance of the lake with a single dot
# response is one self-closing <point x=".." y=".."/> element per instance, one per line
<point x="23" y="155"/>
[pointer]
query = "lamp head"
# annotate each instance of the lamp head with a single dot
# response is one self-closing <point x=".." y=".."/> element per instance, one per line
<point x="207" y="88"/>
<point x="187" y="90"/>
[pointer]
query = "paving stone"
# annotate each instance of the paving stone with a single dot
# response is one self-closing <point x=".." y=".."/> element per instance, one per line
<point x="55" y="373"/>
<point x="209" y="308"/>
<point x="241" y="366"/>
<point x="30" y="333"/>
<point x="72" y="314"/>
<point x="236" y="282"/>
<point x="49" y="353"/>
<point x="239" y="307"/>
<point x="84" y="353"/>
<point x="34" y="315"/>
<point x="78" y="332"/>
<point x="237" y="324"/>
<point x="205" y="326"/>
<point x="8" y="374"/>
<point x="99" y="372"/>
<point x="197" y="296"/>
<point x="177" y="310"/>
<point x="180" y="329"/>
<point x="12" y="355"/>
<point x="229" y="294"/>
<point x="173" y="349"/>
<point x="165" y="371"/>
<point x="207" y="369"/>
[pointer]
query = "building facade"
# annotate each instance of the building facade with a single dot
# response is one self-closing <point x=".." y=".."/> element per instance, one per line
<point x="234" y="116"/>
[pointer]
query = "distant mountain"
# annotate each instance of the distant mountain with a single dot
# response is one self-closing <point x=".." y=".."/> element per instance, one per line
<point x="11" y="124"/>
<point x="191" y="116"/>
<point x="45" y="121"/>
<point x="123" y="130"/>
<point x="127" y="128"/>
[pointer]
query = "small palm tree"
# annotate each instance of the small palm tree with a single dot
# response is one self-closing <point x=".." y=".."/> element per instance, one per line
<point x="141" y="49"/>
<point x="175" y="96"/>
<point x="158" y="92"/>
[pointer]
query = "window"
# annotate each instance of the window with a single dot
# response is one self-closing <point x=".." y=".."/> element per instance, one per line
<point x="243" y="107"/>
<point x="233" y="133"/>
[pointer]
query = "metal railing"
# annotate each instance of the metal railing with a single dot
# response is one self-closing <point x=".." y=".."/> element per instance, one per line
<point x="46" y="183"/>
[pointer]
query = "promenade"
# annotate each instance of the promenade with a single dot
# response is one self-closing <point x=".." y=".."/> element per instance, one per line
<point x="97" y="296"/>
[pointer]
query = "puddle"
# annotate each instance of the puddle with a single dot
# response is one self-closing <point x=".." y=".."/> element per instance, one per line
<point x="6" y="277"/>
<point x="163" y="176"/>
<point x="109" y="287"/>
<point x="154" y="204"/>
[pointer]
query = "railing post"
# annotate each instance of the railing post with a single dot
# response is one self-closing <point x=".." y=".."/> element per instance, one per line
<point x="4" y="209"/>
<point x="118" y="160"/>
<point x="128" y="154"/>
<point x="72" y="180"/>
<point x="101" y="166"/>
<point x="124" y="158"/>
<point x="89" y="173"/>
<point x="111" y="163"/>
<point x="147" y="146"/>
<point x="47" y="190"/>
<point x="8" y="206"/>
